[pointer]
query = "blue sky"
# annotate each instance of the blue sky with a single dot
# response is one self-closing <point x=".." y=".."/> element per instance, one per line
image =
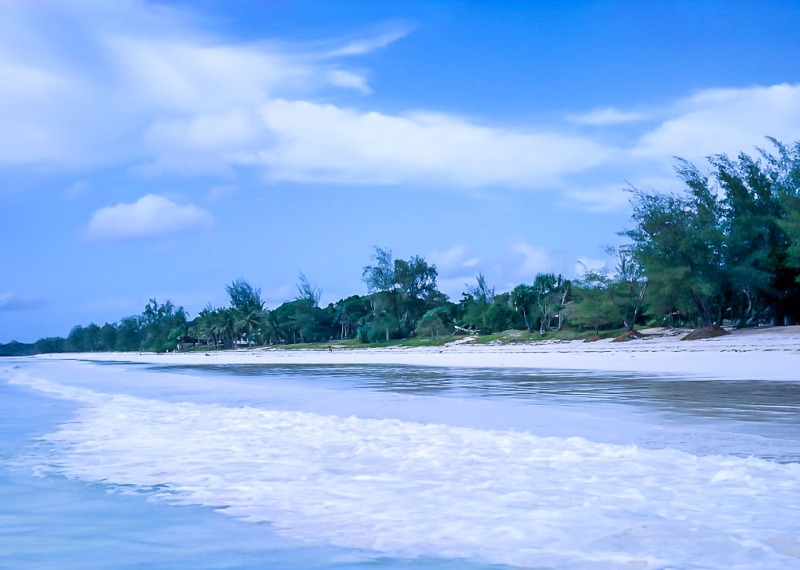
<point x="164" y="149"/>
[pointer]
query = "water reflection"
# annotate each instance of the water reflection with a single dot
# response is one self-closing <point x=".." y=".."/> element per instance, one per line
<point x="749" y="401"/>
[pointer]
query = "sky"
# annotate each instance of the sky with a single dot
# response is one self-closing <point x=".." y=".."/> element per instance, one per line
<point x="163" y="149"/>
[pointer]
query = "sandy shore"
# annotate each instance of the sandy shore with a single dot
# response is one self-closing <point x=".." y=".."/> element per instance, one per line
<point x="758" y="354"/>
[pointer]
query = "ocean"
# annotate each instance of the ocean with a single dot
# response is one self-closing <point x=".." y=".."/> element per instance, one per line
<point x="370" y="467"/>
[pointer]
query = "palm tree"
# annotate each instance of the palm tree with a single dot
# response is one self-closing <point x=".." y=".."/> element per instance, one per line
<point x="224" y="326"/>
<point x="270" y="329"/>
<point x="202" y="326"/>
<point x="249" y="321"/>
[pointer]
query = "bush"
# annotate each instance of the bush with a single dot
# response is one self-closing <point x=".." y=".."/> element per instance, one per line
<point x="435" y="323"/>
<point x="380" y="332"/>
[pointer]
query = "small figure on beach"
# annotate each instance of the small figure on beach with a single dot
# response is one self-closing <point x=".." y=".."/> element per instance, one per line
<point x="330" y="348"/>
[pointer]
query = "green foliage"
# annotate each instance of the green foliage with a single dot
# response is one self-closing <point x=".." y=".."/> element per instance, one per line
<point x="523" y="301"/>
<point x="307" y="291"/>
<point x="727" y="247"/>
<point x="526" y="306"/>
<point x="157" y="322"/>
<point x="593" y="304"/>
<point x="435" y="323"/>
<point x="244" y="298"/>
<point x="551" y="293"/>
<point x="50" y="345"/>
<point x="401" y="292"/>
<point x="248" y="323"/>
<point x="628" y="287"/>
<point x="683" y="232"/>
<point x="499" y="316"/>
<point x="129" y="334"/>
<point x="474" y="305"/>
<point x="41" y="346"/>
<point x="350" y="315"/>
<point x="382" y="331"/>
<point x="790" y="224"/>
<point x="481" y="292"/>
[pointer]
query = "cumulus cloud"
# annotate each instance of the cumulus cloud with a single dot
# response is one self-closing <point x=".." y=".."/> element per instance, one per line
<point x="325" y="143"/>
<point x="11" y="301"/>
<point x="702" y="124"/>
<point x="164" y="93"/>
<point x="723" y="121"/>
<point x="147" y="84"/>
<point x="149" y="217"/>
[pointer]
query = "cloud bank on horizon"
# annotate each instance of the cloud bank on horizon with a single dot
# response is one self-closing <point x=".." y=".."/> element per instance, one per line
<point x="155" y="93"/>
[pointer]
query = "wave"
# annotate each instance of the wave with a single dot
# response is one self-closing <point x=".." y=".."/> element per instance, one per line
<point x="423" y="489"/>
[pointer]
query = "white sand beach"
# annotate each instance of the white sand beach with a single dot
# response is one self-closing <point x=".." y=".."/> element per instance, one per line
<point x="482" y="467"/>
<point x="754" y="354"/>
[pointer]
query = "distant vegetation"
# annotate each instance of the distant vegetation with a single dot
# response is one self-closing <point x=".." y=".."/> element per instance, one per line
<point x="726" y="250"/>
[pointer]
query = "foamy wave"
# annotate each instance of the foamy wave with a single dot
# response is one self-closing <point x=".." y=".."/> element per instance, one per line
<point x="413" y="489"/>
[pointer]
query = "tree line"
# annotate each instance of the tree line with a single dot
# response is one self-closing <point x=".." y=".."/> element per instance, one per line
<point x="725" y="250"/>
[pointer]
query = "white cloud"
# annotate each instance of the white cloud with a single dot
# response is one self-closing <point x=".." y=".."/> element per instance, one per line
<point x="454" y="262"/>
<point x="206" y="143"/>
<point x="370" y="43"/>
<point x="456" y="267"/>
<point x="602" y="199"/>
<point x="348" y="80"/>
<point x="607" y="116"/>
<point x="727" y="121"/>
<point x="151" y="216"/>
<point x="585" y="264"/>
<point x="236" y="128"/>
<point x="11" y="301"/>
<point x="143" y="82"/>
<point x="148" y="85"/>
<point x="529" y="260"/>
<point x="708" y="122"/>
<point x="324" y="143"/>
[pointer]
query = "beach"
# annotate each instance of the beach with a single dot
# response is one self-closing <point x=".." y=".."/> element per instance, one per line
<point x="769" y="353"/>
<point x="653" y="453"/>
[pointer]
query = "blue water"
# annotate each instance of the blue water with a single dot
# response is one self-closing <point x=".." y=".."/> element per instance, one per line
<point x="125" y="466"/>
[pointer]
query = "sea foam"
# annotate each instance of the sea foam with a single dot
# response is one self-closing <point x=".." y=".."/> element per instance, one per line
<point x="423" y="489"/>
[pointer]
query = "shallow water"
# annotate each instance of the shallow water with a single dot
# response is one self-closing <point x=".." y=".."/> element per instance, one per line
<point x="125" y="466"/>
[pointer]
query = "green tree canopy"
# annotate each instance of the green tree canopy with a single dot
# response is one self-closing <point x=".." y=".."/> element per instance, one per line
<point x="402" y="291"/>
<point x="727" y="245"/>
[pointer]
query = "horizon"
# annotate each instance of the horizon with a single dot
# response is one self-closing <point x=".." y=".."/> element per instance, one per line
<point x="164" y="149"/>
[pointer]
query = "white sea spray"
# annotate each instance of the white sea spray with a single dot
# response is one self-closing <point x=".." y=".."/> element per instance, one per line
<point x="424" y="489"/>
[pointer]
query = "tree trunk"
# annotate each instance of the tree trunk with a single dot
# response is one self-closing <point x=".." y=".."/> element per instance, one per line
<point x="703" y="307"/>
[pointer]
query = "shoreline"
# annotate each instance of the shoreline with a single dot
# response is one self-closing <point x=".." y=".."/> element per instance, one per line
<point x="751" y="354"/>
